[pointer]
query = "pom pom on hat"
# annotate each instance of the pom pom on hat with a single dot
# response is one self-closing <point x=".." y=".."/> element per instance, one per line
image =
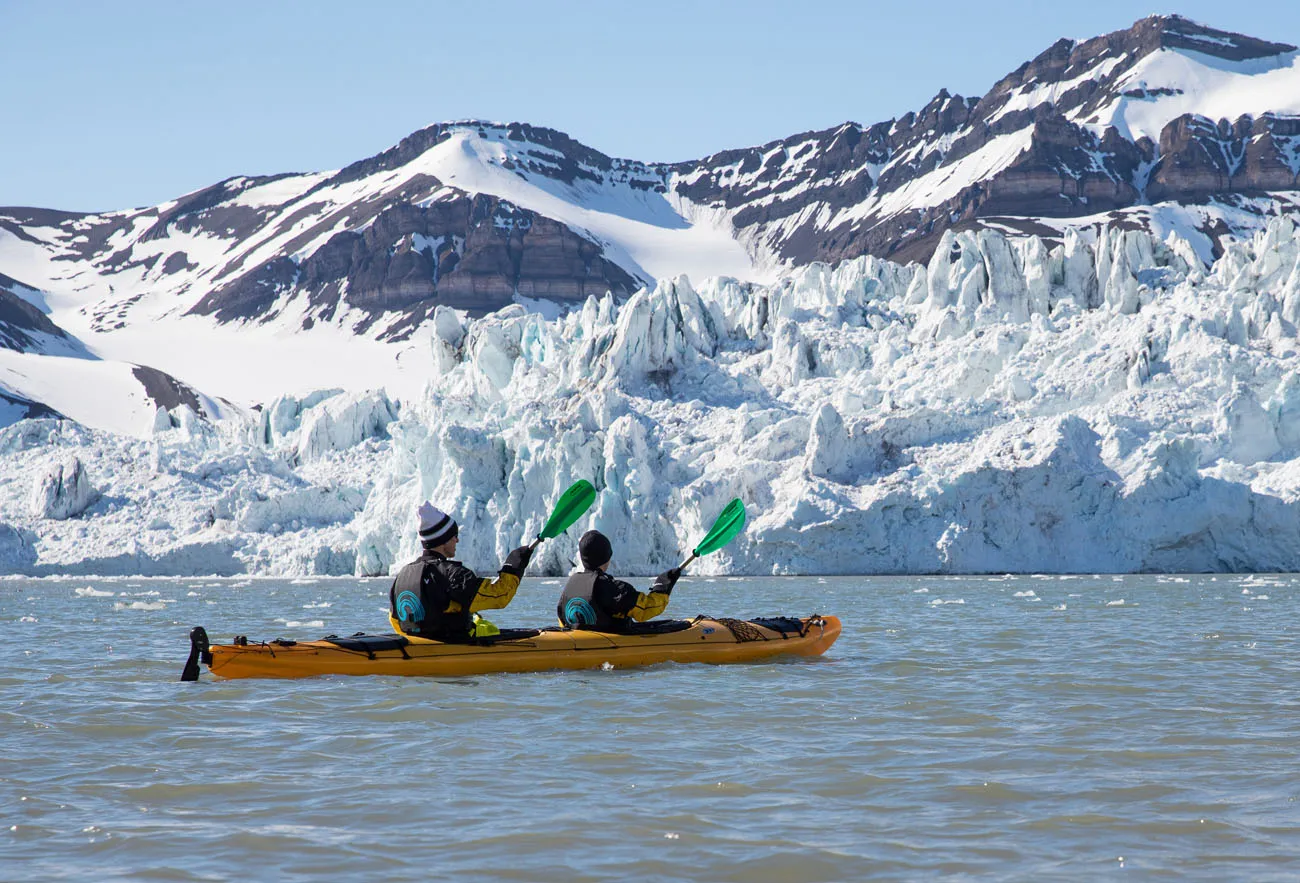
<point x="436" y="526"/>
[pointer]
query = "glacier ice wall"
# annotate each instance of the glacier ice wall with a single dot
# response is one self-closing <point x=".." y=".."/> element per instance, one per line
<point x="1104" y="404"/>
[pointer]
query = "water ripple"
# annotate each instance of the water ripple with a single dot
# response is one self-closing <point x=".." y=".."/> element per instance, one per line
<point x="1000" y="737"/>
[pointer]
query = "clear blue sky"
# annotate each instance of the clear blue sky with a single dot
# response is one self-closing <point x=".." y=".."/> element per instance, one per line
<point x="110" y="105"/>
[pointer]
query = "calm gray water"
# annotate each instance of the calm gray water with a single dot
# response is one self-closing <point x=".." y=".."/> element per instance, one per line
<point x="1027" y="728"/>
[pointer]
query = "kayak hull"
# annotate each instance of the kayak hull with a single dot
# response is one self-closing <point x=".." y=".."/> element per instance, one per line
<point x="705" y="640"/>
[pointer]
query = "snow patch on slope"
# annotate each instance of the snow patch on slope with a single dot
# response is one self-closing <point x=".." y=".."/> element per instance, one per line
<point x="105" y="395"/>
<point x="943" y="183"/>
<point x="639" y="228"/>
<point x="1200" y="84"/>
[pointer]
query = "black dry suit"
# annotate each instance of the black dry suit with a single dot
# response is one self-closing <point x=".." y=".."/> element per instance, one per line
<point x="436" y="597"/>
<point x="596" y="601"/>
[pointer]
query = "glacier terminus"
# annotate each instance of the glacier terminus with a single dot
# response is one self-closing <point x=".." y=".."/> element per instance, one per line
<point x="1052" y="329"/>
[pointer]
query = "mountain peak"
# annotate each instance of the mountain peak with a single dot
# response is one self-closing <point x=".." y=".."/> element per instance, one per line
<point x="1176" y="32"/>
<point x="421" y="141"/>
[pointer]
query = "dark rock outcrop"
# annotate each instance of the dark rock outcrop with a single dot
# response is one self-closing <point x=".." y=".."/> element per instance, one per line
<point x="28" y="409"/>
<point x="1199" y="158"/>
<point x="471" y="252"/>
<point x="166" y="391"/>
<point x="19" y="321"/>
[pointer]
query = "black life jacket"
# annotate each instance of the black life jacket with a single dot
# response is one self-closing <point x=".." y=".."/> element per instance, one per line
<point x="420" y="596"/>
<point x="580" y="608"/>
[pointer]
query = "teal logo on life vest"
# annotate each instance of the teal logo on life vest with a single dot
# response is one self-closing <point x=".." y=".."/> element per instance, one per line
<point x="579" y="612"/>
<point x="409" y="608"/>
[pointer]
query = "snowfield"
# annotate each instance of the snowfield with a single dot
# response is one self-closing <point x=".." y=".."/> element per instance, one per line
<point x="1105" y="405"/>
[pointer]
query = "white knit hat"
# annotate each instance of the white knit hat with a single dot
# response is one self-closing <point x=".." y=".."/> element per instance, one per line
<point x="436" y="526"/>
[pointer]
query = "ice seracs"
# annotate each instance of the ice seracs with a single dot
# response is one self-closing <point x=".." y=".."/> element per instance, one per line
<point x="63" y="492"/>
<point x="1105" y="403"/>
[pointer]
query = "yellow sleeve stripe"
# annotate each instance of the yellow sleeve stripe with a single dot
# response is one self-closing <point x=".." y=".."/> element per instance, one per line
<point x="649" y="605"/>
<point x="495" y="593"/>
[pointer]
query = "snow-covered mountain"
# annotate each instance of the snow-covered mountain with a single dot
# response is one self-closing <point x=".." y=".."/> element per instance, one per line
<point x="1168" y="126"/>
<point x="256" y="287"/>
<point x="1081" y="353"/>
<point x="1166" y="123"/>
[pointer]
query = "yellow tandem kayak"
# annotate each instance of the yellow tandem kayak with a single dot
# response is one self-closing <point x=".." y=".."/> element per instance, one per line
<point x="702" y="639"/>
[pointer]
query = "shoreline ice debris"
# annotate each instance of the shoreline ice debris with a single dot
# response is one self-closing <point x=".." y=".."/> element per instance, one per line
<point x="1107" y="404"/>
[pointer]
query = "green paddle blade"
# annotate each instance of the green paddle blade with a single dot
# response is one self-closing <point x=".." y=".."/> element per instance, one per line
<point x="573" y="503"/>
<point x="724" y="530"/>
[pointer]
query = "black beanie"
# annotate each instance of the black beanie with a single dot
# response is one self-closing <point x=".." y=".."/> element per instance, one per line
<point x="594" y="549"/>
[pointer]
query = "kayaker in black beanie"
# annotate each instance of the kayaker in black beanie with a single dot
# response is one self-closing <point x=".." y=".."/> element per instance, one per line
<point x="596" y="601"/>
<point x="436" y="596"/>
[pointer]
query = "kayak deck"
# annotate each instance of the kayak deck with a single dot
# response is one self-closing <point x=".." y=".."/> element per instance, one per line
<point x="702" y="639"/>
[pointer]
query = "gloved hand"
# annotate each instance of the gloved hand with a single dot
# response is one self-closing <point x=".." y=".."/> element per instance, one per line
<point x="517" y="561"/>
<point x="665" y="581"/>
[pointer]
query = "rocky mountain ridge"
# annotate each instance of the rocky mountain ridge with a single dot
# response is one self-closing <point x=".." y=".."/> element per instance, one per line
<point x="853" y="190"/>
<point x="1168" y="126"/>
<point x="1053" y="139"/>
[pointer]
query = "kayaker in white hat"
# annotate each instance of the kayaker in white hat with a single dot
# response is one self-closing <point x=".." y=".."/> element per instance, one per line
<point x="436" y="596"/>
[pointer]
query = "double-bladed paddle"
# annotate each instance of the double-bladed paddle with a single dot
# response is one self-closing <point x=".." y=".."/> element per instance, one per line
<point x="573" y="503"/>
<point x="724" y="530"/>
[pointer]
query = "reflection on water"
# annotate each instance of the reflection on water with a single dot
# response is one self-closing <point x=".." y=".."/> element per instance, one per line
<point x="1031" y="728"/>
